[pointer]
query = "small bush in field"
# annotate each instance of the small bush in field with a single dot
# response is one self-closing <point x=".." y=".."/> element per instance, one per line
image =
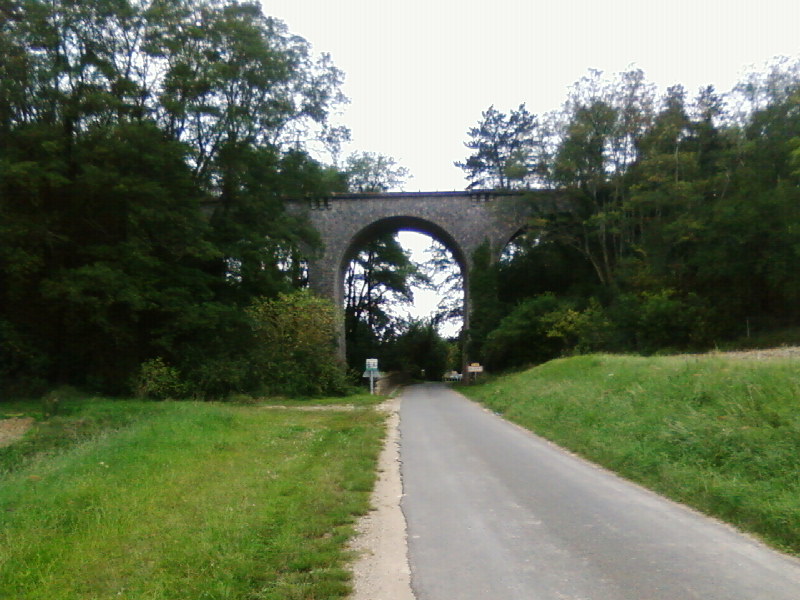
<point x="159" y="381"/>
<point x="53" y="400"/>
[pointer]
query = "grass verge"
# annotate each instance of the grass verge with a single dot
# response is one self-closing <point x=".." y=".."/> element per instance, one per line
<point x="722" y="435"/>
<point x="176" y="500"/>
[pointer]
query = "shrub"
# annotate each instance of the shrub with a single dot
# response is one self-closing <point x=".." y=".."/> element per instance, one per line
<point x="583" y="331"/>
<point x="667" y="320"/>
<point x="159" y="381"/>
<point x="296" y="344"/>
<point x="420" y="352"/>
<point x="217" y="376"/>
<point x="522" y="336"/>
<point x="53" y="401"/>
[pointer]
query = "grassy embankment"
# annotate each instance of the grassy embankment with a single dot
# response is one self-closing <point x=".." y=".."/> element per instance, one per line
<point x="719" y="434"/>
<point x="128" y="499"/>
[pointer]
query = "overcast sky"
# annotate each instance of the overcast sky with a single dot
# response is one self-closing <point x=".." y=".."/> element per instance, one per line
<point x="419" y="72"/>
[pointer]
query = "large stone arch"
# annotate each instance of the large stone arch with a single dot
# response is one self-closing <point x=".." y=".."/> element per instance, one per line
<point x="462" y="221"/>
<point x="392" y="225"/>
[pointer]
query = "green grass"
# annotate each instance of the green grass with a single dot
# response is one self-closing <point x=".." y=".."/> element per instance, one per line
<point x="357" y="400"/>
<point x="722" y="435"/>
<point x="145" y="500"/>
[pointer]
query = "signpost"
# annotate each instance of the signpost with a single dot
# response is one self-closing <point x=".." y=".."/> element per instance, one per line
<point x="473" y="369"/>
<point x="372" y="372"/>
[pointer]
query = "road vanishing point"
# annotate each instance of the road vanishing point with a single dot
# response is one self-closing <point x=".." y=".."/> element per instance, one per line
<point x="496" y="513"/>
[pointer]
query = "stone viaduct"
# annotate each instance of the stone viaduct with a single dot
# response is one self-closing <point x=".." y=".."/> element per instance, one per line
<point x="462" y="221"/>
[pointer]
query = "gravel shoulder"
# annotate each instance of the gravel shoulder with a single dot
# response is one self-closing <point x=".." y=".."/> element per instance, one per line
<point x="381" y="570"/>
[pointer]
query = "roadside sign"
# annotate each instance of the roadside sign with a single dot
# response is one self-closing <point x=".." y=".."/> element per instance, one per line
<point x="372" y="373"/>
<point x="475" y="368"/>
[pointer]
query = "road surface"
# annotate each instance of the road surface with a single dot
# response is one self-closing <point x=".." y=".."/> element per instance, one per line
<point x="497" y="513"/>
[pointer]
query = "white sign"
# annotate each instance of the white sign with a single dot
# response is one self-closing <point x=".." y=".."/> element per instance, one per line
<point x="372" y="373"/>
<point x="475" y="368"/>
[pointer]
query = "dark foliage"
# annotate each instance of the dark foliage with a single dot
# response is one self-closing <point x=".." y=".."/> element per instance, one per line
<point x="145" y="150"/>
<point x="684" y="230"/>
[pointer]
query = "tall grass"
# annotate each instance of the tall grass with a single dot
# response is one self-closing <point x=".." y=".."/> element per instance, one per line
<point x="186" y="500"/>
<point x="722" y="435"/>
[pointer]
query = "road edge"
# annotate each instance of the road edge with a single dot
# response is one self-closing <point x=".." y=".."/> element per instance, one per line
<point x="381" y="568"/>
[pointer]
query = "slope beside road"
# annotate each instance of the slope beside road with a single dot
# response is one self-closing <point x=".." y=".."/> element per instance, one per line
<point x="494" y="511"/>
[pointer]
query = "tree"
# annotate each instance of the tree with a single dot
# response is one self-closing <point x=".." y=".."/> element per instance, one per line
<point x="685" y="210"/>
<point x="746" y="259"/>
<point x="370" y="172"/>
<point x="521" y="337"/>
<point x="599" y="137"/>
<point x="234" y="77"/>
<point x="420" y="351"/>
<point x="93" y="281"/>
<point x="379" y="274"/>
<point x="486" y="308"/>
<point x="145" y="149"/>
<point x="504" y="149"/>
<point x="444" y="276"/>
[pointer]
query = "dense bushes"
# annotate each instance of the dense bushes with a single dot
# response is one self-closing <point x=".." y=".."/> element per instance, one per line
<point x="160" y="381"/>
<point x="419" y="351"/>
<point x="546" y="326"/>
<point x="296" y="339"/>
<point x="289" y="350"/>
<point x="523" y="336"/>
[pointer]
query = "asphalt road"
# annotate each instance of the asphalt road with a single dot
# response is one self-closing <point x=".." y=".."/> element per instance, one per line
<point x="497" y="513"/>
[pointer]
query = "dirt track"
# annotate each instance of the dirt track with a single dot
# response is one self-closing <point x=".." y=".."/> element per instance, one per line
<point x="13" y="429"/>
<point x="782" y="352"/>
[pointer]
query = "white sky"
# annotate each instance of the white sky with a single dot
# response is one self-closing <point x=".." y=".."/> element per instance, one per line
<point x="425" y="300"/>
<point x="419" y="72"/>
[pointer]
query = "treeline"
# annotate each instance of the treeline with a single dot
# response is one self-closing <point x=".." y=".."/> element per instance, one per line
<point x="684" y="223"/>
<point x="145" y="149"/>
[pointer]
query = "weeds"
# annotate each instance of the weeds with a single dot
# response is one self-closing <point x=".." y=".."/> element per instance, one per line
<point x="182" y="500"/>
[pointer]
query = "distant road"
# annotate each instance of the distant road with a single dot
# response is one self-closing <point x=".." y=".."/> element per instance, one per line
<point x="496" y="513"/>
